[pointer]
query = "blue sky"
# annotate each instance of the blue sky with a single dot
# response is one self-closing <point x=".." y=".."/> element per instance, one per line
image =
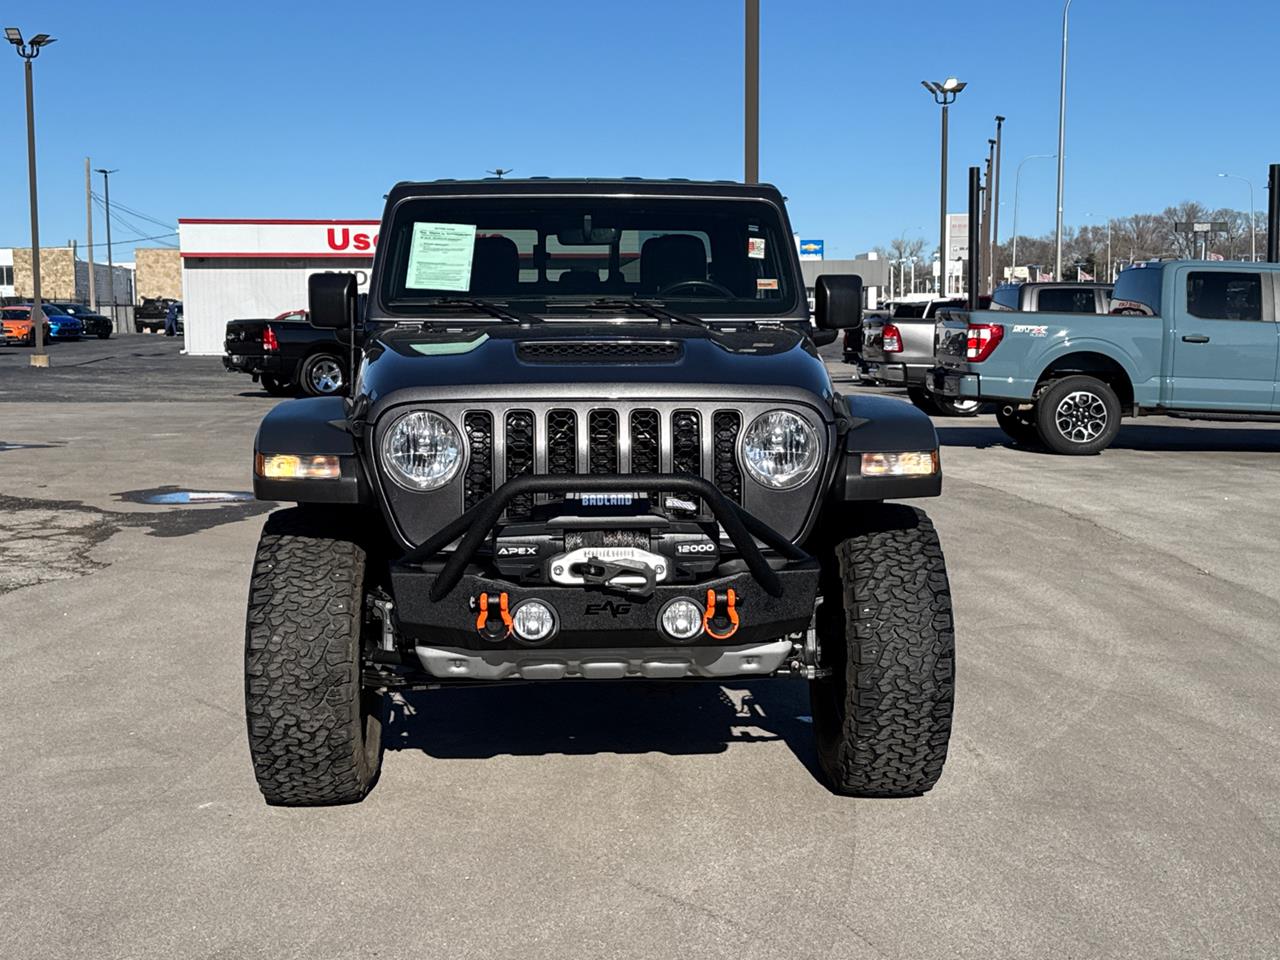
<point x="312" y="109"/>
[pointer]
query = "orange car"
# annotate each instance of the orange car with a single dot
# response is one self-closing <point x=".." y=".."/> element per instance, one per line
<point x="15" y="325"/>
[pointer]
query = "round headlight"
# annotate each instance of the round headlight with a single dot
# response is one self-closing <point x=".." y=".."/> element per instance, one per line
<point x="422" y="451"/>
<point x="780" y="449"/>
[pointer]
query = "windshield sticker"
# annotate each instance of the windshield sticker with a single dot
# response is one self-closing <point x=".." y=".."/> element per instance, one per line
<point x="765" y="283"/>
<point x="449" y="348"/>
<point x="755" y="248"/>
<point x="440" y="256"/>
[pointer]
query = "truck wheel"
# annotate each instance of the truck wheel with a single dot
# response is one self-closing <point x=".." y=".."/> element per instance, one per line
<point x="1018" y="427"/>
<point x="882" y="719"/>
<point x="923" y="399"/>
<point x="315" y="733"/>
<point x="957" y="406"/>
<point x="322" y="375"/>
<point x="1077" y="415"/>
<point x="137" y="326"/>
<point x="274" y="387"/>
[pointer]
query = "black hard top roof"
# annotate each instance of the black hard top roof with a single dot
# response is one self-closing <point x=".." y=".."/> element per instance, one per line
<point x="578" y="186"/>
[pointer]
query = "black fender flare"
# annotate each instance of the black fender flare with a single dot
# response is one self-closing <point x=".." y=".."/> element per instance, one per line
<point x="877" y="424"/>
<point x="310" y="427"/>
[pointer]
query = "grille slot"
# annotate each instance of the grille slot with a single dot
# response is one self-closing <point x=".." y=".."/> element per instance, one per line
<point x="562" y="442"/>
<point x="602" y="434"/>
<point x="727" y="475"/>
<point x="646" y="442"/>
<point x="605" y="351"/>
<point x="477" y="482"/>
<point x="686" y="442"/>
<point x="519" y="458"/>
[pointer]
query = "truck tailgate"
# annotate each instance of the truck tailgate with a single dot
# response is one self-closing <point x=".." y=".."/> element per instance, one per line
<point x="951" y="340"/>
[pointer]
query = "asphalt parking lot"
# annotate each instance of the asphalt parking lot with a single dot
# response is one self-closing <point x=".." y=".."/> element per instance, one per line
<point x="1113" y="788"/>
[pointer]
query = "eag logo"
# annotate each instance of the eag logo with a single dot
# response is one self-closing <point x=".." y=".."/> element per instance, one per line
<point x="614" y="608"/>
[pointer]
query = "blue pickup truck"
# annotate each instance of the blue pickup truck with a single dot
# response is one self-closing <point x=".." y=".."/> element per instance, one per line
<point x="1183" y="338"/>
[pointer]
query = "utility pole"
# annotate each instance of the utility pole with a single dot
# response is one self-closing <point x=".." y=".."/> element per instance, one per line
<point x="111" y="268"/>
<point x="751" y="95"/>
<point x="88" y="232"/>
<point x="995" y="208"/>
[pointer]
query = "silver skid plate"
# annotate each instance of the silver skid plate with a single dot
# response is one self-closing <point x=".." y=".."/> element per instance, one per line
<point x="659" y="663"/>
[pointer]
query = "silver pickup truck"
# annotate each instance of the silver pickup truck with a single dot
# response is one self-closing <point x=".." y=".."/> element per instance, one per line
<point x="897" y="351"/>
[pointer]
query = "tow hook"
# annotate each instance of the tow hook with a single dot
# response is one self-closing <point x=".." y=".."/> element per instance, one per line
<point x="728" y="601"/>
<point x="489" y="626"/>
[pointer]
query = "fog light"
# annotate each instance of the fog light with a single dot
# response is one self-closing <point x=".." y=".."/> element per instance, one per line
<point x="287" y="466"/>
<point x="681" y="619"/>
<point x="533" y="621"/>
<point x="921" y="463"/>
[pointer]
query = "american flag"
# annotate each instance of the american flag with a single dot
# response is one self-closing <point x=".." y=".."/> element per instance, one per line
<point x="1214" y="256"/>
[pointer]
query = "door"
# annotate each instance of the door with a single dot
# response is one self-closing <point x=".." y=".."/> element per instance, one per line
<point x="1226" y="341"/>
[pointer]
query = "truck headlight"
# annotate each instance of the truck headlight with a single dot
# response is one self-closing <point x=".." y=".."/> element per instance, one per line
<point x="422" y="451"/>
<point x="780" y="449"/>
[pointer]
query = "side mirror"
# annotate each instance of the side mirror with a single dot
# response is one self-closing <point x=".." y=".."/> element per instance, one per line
<point x="837" y="301"/>
<point x="332" y="299"/>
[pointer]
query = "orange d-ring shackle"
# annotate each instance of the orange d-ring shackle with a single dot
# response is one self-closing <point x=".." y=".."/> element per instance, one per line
<point x="483" y="618"/>
<point x="731" y="611"/>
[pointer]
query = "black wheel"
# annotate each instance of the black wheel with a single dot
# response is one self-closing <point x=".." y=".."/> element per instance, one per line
<point x="957" y="406"/>
<point x="882" y="719"/>
<point x="137" y="327"/>
<point x="104" y="335"/>
<point x="1019" y="426"/>
<point x="315" y="733"/>
<point x="323" y="375"/>
<point x="275" y="387"/>
<point x="1077" y="415"/>
<point x="923" y="399"/>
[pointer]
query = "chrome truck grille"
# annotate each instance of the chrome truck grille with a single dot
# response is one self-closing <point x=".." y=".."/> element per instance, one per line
<point x="600" y="440"/>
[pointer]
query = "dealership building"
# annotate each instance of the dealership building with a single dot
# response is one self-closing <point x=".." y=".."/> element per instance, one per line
<point x="235" y="269"/>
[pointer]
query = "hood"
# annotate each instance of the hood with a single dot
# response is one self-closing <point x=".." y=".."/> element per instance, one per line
<point x="569" y="359"/>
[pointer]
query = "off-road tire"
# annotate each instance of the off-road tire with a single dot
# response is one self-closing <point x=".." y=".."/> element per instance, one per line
<point x="274" y="387"/>
<point x="315" y="734"/>
<point x="1050" y="400"/>
<point x="923" y="399"/>
<point x="1018" y="427"/>
<point x="882" y="719"/>
<point x="307" y="370"/>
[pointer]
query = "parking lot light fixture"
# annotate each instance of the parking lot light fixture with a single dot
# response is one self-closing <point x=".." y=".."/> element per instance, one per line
<point x="944" y="94"/>
<point x="1253" y="226"/>
<point x="1062" y="136"/>
<point x="29" y="51"/>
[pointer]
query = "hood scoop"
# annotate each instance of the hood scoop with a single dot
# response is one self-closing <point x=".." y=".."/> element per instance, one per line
<point x="600" y="351"/>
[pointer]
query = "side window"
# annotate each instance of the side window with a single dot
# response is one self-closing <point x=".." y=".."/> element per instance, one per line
<point x="1217" y="295"/>
<point x="1065" y="300"/>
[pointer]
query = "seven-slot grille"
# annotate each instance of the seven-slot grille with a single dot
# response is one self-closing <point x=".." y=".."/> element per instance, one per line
<point x="599" y="440"/>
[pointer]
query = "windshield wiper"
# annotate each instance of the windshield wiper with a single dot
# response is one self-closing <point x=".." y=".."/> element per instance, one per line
<point x="495" y="310"/>
<point x="653" y="308"/>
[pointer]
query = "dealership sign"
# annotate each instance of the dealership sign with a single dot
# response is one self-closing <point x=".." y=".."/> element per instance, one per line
<point x="278" y="239"/>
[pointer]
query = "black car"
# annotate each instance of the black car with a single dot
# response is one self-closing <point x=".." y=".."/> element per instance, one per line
<point x="95" y="324"/>
<point x="592" y="439"/>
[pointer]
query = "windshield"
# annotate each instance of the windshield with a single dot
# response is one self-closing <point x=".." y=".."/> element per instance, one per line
<point x="727" y="257"/>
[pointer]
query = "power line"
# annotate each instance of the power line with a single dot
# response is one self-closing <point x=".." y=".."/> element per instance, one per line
<point x="136" y="213"/>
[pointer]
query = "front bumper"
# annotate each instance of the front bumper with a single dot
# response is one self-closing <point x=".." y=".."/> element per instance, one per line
<point x="590" y="619"/>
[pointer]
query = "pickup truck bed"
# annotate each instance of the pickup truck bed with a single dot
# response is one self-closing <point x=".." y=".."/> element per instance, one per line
<point x="287" y="354"/>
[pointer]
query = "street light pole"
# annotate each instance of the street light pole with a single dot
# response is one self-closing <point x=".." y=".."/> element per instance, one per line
<point x="944" y="94"/>
<point x="1253" y="223"/>
<point x="28" y="51"/>
<point x="995" y="206"/>
<point x="1017" y="196"/>
<point x="111" y="269"/>
<point x="1062" y="136"/>
<point x="751" y="95"/>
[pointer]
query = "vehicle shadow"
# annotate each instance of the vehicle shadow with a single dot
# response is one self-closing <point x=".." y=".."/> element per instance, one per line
<point x="1192" y="438"/>
<point x="582" y="717"/>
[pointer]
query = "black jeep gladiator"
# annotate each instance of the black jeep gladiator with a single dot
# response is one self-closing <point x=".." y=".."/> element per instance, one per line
<point x="591" y="439"/>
